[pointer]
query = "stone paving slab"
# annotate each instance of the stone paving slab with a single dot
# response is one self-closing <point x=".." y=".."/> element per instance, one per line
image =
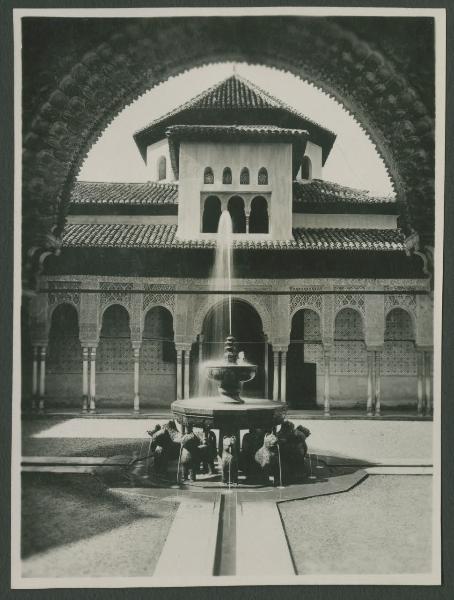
<point x="261" y="549"/>
<point x="190" y="546"/>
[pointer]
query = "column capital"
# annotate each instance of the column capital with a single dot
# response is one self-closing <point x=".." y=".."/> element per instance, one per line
<point x="374" y="348"/>
<point x="280" y="348"/>
<point x="183" y="347"/>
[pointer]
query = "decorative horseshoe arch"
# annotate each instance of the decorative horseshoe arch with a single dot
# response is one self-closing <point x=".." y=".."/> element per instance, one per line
<point x="138" y="54"/>
<point x="207" y="306"/>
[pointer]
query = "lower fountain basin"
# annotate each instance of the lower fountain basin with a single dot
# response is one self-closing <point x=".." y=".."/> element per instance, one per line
<point x="217" y="413"/>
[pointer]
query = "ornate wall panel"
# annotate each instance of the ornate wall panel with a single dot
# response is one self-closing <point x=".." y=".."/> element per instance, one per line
<point x="399" y="354"/>
<point x="299" y="301"/>
<point x="349" y="356"/>
<point x="114" y="352"/>
<point x="70" y="292"/>
<point x="158" y="349"/>
<point x="152" y="298"/>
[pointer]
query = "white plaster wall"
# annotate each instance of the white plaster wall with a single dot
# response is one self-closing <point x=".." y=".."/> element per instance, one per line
<point x="154" y="152"/>
<point x="345" y="221"/>
<point x="314" y="152"/>
<point x="275" y="157"/>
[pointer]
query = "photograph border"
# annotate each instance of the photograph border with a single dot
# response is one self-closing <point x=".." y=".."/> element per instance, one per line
<point x="439" y="15"/>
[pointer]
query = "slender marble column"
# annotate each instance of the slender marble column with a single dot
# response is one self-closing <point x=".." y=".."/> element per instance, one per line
<point x="420" y="366"/>
<point x="42" y="377"/>
<point x="428" y="381"/>
<point x="247" y="222"/>
<point x="93" y="379"/>
<point x="284" y="376"/>
<point x="327" y="367"/>
<point x="187" y="354"/>
<point x="276" y="376"/>
<point x="136" y="379"/>
<point x="265" y="354"/>
<point x="370" y="378"/>
<point x="84" y="379"/>
<point x="377" y="384"/>
<point x="179" y="374"/>
<point x="34" y="377"/>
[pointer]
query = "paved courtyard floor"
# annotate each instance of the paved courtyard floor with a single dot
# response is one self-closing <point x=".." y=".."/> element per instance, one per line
<point x="73" y="527"/>
<point x="382" y="526"/>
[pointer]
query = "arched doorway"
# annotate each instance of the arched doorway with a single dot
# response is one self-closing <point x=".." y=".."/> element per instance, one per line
<point x="304" y="360"/>
<point x="259" y="220"/>
<point x="158" y="359"/>
<point x="211" y="214"/>
<point x="236" y="210"/>
<point x="248" y="330"/>
<point x="348" y="380"/>
<point x="114" y="364"/>
<point x="64" y="363"/>
<point x="399" y="361"/>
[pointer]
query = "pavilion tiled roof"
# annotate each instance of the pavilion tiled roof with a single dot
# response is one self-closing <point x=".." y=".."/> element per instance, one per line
<point x="148" y="193"/>
<point x="234" y="100"/>
<point x="163" y="236"/>
<point x="320" y="191"/>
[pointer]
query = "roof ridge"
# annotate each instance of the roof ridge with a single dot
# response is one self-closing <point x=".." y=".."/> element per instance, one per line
<point x="265" y="96"/>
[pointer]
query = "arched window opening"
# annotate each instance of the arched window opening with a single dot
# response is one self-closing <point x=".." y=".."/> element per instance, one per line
<point x="259" y="220"/>
<point x="65" y="352"/>
<point x="399" y="353"/>
<point x="262" y="178"/>
<point x="236" y="210"/>
<point x="227" y="175"/>
<point x="306" y="168"/>
<point x="211" y="214"/>
<point x="244" y="176"/>
<point x="114" y="354"/>
<point x="158" y="347"/>
<point x="208" y="176"/>
<point x="162" y="168"/>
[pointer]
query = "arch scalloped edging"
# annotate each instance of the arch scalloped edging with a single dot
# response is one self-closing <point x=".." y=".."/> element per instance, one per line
<point x="211" y="303"/>
<point x="367" y="84"/>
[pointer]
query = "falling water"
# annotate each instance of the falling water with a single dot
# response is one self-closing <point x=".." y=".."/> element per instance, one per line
<point x="221" y="277"/>
<point x="280" y="466"/>
<point x="179" y="462"/>
<point x="221" y="323"/>
<point x="311" y="476"/>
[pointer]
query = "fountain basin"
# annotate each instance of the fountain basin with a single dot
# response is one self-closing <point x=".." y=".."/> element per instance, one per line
<point x="217" y="413"/>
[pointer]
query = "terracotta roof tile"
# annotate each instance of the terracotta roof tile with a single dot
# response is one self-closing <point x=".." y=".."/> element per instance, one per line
<point x="148" y="193"/>
<point x="163" y="236"/>
<point x="319" y="191"/>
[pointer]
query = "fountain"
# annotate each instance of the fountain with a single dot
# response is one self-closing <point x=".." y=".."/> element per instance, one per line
<point x="227" y="412"/>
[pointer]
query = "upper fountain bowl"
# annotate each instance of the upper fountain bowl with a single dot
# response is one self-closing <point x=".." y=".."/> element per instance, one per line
<point x="230" y="377"/>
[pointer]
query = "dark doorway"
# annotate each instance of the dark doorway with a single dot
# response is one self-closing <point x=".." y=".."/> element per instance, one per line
<point x="301" y="363"/>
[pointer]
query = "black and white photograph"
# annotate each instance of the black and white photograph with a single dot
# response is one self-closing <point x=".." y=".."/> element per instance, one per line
<point x="228" y="238"/>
